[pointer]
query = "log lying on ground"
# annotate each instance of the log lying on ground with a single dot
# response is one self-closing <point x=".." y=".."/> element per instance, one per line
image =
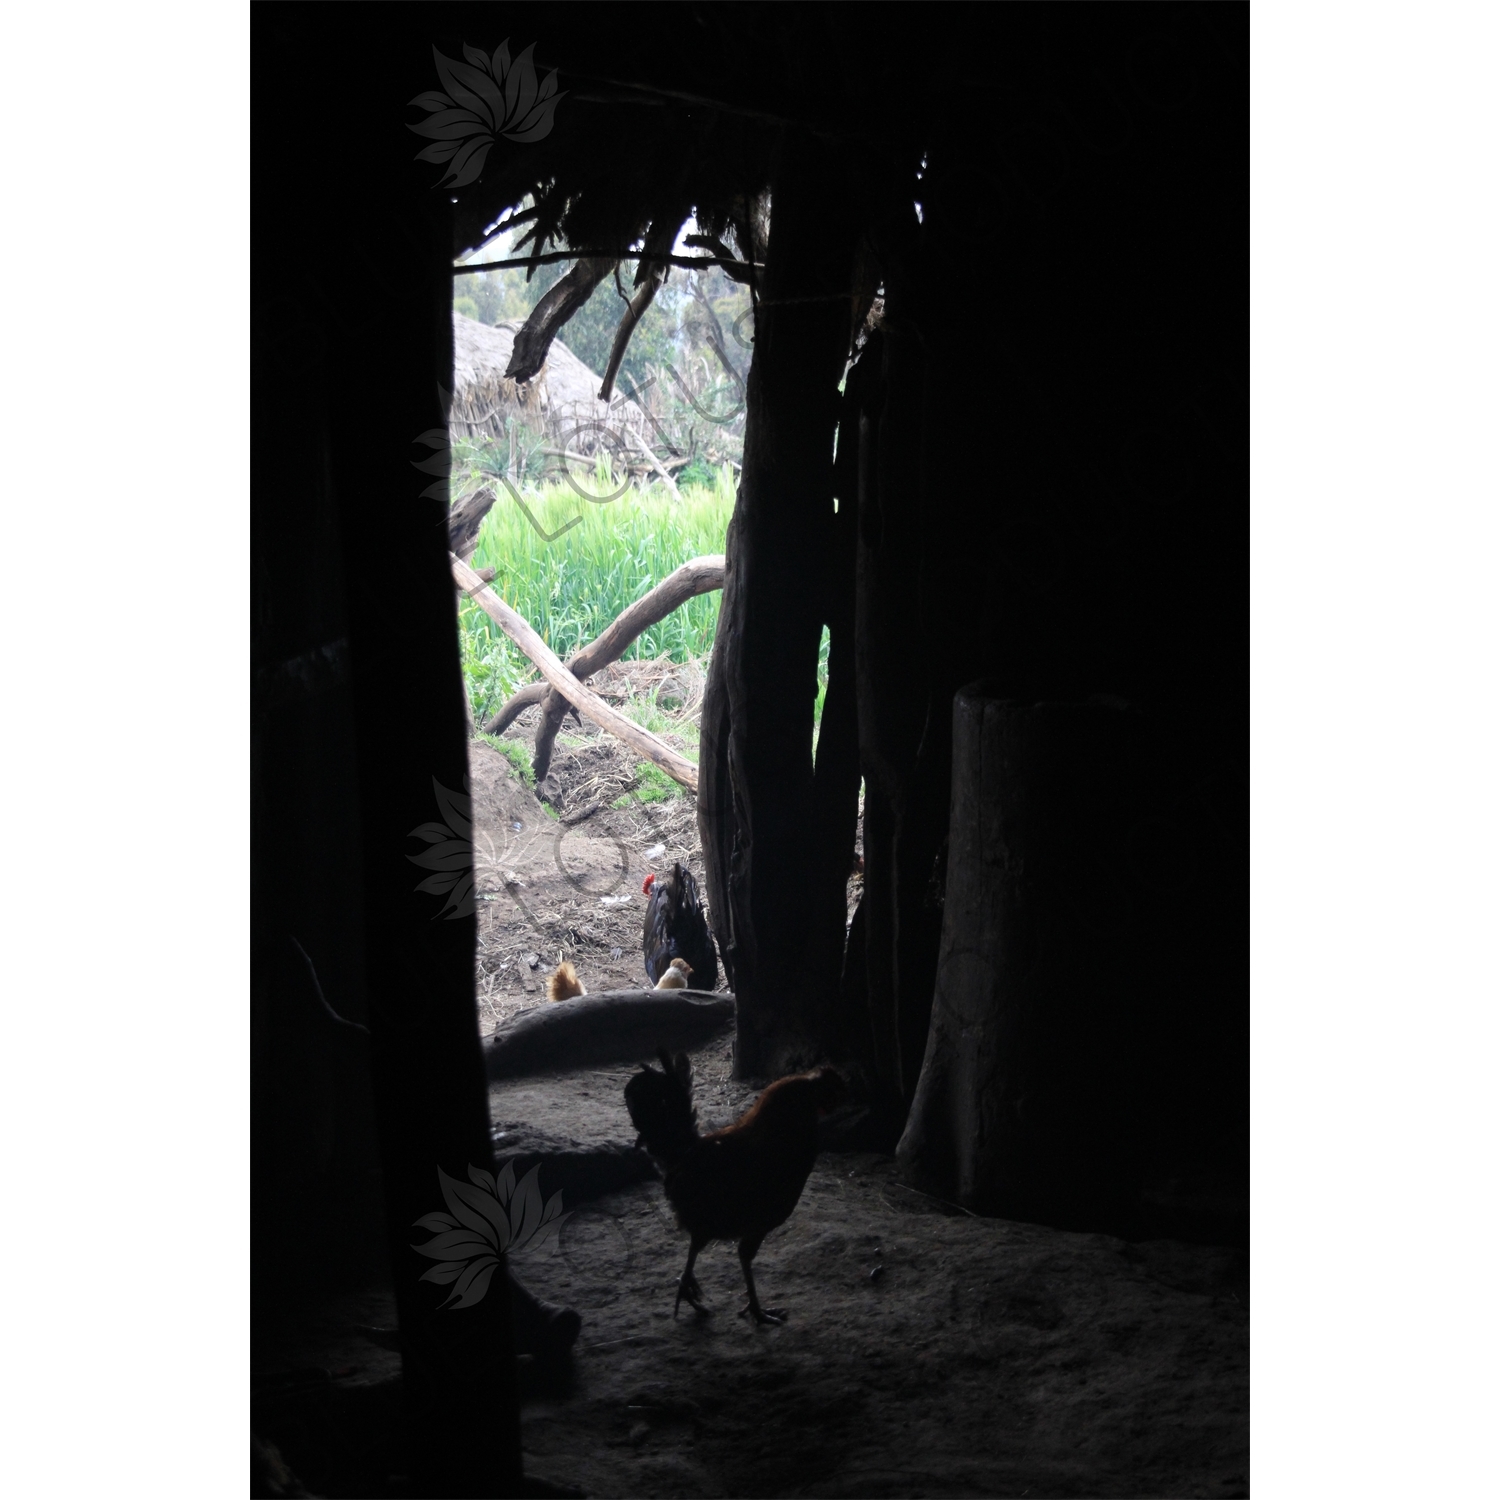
<point x="700" y="575"/>
<point x="678" y="767"/>
<point x="615" y="1026"/>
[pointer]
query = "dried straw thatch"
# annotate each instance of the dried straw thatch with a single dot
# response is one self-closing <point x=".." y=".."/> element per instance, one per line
<point x="563" y="399"/>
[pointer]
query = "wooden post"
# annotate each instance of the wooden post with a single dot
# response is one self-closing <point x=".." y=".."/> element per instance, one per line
<point x="770" y="620"/>
<point x="1025" y="1105"/>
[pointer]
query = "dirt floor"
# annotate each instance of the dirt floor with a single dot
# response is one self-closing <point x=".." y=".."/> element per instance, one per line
<point x="926" y="1352"/>
<point x="562" y="878"/>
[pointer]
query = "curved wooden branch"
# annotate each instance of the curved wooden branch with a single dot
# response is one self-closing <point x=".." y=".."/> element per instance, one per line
<point x="590" y="704"/>
<point x="529" y="351"/>
<point x="633" y="315"/>
<point x="649" y="275"/>
<point x="716" y="335"/>
<point x="533" y="692"/>
<point x="699" y="575"/>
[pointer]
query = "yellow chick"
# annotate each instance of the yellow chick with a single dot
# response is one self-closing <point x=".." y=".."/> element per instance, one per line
<point x="564" y="983"/>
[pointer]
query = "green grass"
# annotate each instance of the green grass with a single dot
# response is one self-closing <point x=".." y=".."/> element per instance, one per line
<point x="571" y="587"/>
<point x="518" y="755"/>
<point x="646" y="713"/>
<point x="822" y="684"/>
<point x="654" y="786"/>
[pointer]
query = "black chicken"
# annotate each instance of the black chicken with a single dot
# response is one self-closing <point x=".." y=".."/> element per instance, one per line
<point x="676" y="927"/>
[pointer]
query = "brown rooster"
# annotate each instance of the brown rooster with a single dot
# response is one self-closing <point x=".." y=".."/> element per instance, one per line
<point x="738" y="1183"/>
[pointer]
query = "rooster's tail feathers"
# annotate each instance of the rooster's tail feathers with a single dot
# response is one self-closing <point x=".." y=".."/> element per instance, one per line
<point x="661" y="1106"/>
<point x="680" y="1068"/>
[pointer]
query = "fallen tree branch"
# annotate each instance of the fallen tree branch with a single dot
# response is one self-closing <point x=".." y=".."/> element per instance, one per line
<point x="666" y="759"/>
<point x="700" y="575"/>
<point x="533" y="692"/>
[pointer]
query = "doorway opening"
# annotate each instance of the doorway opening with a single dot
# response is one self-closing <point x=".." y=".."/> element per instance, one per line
<point x="584" y="490"/>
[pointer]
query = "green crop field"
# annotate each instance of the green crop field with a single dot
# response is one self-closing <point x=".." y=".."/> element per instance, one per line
<point x="571" y="587"/>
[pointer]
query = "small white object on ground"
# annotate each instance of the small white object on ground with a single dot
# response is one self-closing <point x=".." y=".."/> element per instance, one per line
<point x="656" y="851"/>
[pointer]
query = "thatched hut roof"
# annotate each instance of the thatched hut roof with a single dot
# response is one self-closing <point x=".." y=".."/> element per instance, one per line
<point x="563" y="398"/>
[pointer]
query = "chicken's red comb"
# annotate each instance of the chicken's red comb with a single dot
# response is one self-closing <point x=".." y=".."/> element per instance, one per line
<point x="647" y="883"/>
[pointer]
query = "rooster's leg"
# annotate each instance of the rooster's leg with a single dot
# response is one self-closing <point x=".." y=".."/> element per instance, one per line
<point x="754" y="1310"/>
<point x="687" y="1285"/>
